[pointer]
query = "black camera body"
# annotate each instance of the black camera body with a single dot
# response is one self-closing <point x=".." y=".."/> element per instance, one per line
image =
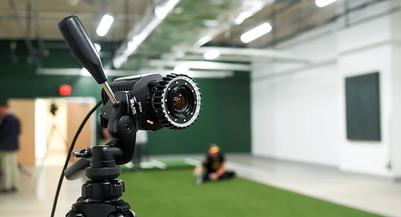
<point x="172" y="101"/>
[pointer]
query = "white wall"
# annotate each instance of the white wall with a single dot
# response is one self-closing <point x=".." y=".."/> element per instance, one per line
<point x="295" y="107"/>
<point x="395" y="139"/>
<point x="370" y="53"/>
<point x="41" y="110"/>
<point x="298" y="112"/>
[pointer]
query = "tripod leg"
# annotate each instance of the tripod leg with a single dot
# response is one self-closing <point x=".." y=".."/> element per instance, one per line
<point x="100" y="209"/>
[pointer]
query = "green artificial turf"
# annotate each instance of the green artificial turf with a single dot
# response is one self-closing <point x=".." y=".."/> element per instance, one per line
<point x="169" y="164"/>
<point x="173" y="193"/>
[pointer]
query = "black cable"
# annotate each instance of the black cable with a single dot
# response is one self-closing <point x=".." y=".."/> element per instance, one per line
<point x="74" y="140"/>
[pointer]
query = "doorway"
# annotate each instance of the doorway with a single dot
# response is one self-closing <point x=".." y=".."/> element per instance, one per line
<point x="48" y="126"/>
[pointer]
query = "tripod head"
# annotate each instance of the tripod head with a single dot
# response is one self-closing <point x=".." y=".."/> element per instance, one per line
<point x="120" y="123"/>
<point x="122" y="126"/>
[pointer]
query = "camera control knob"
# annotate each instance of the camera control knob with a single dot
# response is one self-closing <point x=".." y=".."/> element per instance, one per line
<point x="84" y="153"/>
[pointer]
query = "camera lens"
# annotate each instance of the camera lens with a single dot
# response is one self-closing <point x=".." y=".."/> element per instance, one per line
<point x="180" y="101"/>
<point x="177" y="101"/>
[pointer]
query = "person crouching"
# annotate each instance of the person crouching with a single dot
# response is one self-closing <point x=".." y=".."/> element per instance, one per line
<point x="212" y="167"/>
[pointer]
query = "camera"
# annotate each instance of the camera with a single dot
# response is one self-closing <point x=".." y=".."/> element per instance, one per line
<point x="172" y="101"/>
<point x="53" y="108"/>
<point x="129" y="104"/>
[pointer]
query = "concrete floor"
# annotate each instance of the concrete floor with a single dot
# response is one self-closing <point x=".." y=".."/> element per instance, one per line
<point x="35" y="197"/>
<point x="374" y="194"/>
<point x="378" y="195"/>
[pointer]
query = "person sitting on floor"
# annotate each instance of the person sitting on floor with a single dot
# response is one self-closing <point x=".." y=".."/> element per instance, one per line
<point x="212" y="167"/>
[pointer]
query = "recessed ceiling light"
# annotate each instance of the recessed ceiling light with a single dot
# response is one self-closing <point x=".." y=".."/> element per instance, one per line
<point x="181" y="68"/>
<point x="98" y="47"/>
<point x="211" y="54"/>
<point x="85" y="72"/>
<point x="256" y="32"/>
<point x="323" y="3"/>
<point x="161" y="11"/>
<point x="242" y="16"/>
<point x="104" y="25"/>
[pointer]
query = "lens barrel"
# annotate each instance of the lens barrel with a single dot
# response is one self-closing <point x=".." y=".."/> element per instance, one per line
<point x="177" y="100"/>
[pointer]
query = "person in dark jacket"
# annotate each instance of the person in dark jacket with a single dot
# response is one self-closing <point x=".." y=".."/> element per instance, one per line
<point x="9" y="145"/>
<point x="212" y="167"/>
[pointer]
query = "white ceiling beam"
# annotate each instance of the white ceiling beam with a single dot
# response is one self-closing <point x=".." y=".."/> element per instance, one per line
<point x="220" y="58"/>
<point x="121" y="73"/>
<point x="246" y="54"/>
<point x="206" y="65"/>
<point x="270" y="53"/>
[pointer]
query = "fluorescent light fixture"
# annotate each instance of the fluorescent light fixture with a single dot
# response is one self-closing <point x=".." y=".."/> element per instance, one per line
<point x="104" y="25"/>
<point x="323" y="3"/>
<point x="210" y="74"/>
<point x="256" y="32"/>
<point x="242" y="16"/>
<point x="211" y="54"/>
<point x="181" y="68"/>
<point x="134" y="43"/>
<point x="161" y="11"/>
<point x="205" y="39"/>
<point x="85" y="72"/>
<point x="118" y="61"/>
<point x="249" y="8"/>
<point x="141" y="34"/>
<point x="98" y="47"/>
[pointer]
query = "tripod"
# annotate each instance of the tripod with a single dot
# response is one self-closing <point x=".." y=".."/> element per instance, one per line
<point x="53" y="131"/>
<point x="101" y="195"/>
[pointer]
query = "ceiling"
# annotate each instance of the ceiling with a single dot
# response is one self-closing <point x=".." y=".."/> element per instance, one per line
<point x="180" y="34"/>
<point x="290" y="18"/>
<point x="183" y="28"/>
<point x="287" y="17"/>
<point x="33" y="19"/>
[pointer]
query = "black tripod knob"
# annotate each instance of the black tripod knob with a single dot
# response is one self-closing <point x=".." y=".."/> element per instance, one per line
<point x="84" y="153"/>
<point x="103" y="190"/>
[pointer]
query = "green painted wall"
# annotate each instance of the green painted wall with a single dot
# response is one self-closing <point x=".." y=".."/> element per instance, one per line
<point x="18" y="78"/>
<point x="224" y="118"/>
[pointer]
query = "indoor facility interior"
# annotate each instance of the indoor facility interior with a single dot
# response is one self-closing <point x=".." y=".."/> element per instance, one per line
<point x="190" y="108"/>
